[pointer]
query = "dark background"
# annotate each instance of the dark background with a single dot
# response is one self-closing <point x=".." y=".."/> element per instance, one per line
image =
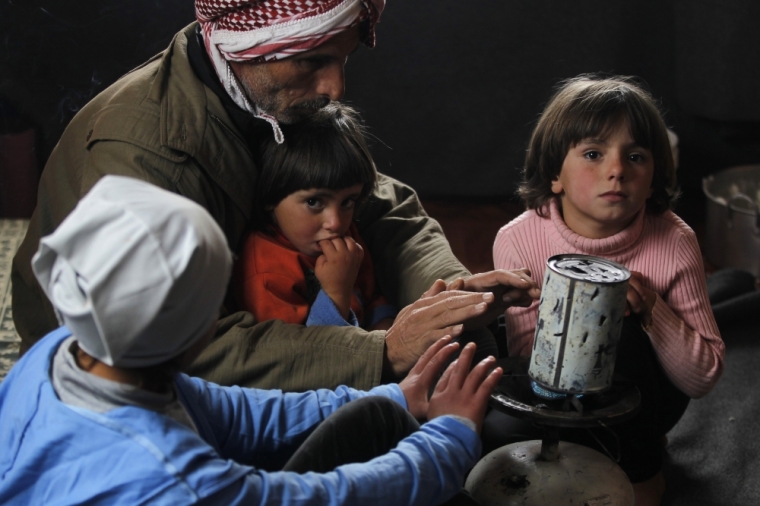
<point x="453" y="87"/>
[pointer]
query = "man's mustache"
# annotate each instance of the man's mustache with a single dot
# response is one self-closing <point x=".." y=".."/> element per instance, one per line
<point x="316" y="104"/>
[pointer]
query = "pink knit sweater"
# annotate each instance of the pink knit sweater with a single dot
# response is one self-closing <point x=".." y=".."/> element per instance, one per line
<point x="665" y="250"/>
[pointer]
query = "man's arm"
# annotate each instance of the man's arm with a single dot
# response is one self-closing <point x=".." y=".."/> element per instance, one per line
<point x="273" y="354"/>
<point x="289" y="357"/>
<point x="410" y="253"/>
<point x="409" y="249"/>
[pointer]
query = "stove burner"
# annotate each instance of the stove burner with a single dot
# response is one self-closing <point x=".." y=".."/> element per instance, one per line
<point x="515" y="396"/>
<point x="588" y="268"/>
<point x="547" y="394"/>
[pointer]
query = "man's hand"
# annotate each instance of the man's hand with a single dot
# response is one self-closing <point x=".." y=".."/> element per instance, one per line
<point x="465" y="393"/>
<point x="337" y="268"/>
<point x="420" y="324"/>
<point x="640" y="298"/>
<point x="510" y="288"/>
<point x="416" y="386"/>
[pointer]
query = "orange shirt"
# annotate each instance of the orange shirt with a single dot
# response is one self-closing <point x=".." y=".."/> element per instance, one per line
<point x="274" y="281"/>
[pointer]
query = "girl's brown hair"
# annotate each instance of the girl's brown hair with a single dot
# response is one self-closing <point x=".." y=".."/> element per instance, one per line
<point x="327" y="150"/>
<point x="592" y="106"/>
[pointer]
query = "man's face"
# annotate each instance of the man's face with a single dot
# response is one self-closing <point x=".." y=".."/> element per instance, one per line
<point x="296" y="87"/>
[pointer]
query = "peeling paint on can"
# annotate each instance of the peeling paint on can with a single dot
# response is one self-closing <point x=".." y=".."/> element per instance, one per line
<point x="580" y="317"/>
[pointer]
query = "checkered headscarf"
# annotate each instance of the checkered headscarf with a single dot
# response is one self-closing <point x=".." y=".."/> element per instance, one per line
<point x="267" y="30"/>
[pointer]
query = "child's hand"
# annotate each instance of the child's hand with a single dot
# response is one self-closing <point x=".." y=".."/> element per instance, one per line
<point x="416" y="386"/>
<point x="337" y="268"/>
<point x="640" y="298"/>
<point x="464" y="392"/>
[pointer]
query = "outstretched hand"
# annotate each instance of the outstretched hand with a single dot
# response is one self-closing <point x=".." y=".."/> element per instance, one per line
<point x="510" y="288"/>
<point x="464" y="392"/>
<point x="416" y="386"/>
<point x="417" y="326"/>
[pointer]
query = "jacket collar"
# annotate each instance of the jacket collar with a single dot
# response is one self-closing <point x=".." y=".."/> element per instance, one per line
<point x="194" y="121"/>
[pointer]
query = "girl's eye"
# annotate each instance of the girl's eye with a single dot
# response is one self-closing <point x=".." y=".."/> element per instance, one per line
<point x="314" y="203"/>
<point x="592" y="155"/>
<point x="636" y="157"/>
<point x="348" y="203"/>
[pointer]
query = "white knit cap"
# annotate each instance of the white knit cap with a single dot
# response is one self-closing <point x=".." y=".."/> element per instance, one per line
<point x="136" y="273"/>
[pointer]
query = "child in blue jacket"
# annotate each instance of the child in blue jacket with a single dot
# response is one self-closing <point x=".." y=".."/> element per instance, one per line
<point x="97" y="412"/>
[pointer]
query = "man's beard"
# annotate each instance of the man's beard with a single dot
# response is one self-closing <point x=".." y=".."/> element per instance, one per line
<point x="300" y="111"/>
<point x="270" y="104"/>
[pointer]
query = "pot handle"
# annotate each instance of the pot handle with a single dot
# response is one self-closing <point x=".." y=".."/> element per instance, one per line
<point x="745" y="198"/>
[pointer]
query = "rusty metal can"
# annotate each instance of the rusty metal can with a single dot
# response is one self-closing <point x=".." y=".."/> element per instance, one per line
<point x="580" y="317"/>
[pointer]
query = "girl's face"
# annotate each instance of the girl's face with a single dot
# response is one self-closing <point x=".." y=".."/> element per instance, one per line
<point x="307" y="217"/>
<point x="604" y="183"/>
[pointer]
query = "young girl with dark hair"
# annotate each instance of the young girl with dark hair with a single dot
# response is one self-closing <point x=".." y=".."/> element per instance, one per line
<point x="305" y="263"/>
<point x="599" y="179"/>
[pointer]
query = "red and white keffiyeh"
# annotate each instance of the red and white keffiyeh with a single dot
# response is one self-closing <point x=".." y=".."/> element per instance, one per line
<point x="267" y="30"/>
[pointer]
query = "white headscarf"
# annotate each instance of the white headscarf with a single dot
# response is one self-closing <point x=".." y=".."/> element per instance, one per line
<point x="135" y="272"/>
<point x="268" y="30"/>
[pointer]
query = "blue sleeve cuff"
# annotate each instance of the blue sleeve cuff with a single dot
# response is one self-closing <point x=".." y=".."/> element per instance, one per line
<point x="458" y="428"/>
<point x="382" y="312"/>
<point x="466" y="421"/>
<point x="324" y="312"/>
<point x="392" y="391"/>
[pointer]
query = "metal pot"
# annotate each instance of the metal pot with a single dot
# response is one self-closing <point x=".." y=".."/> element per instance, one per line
<point x="733" y="218"/>
<point x="580" y="317"/>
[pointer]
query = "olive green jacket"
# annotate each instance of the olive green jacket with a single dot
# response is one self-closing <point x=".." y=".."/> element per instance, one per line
<point x="160" y="123"/>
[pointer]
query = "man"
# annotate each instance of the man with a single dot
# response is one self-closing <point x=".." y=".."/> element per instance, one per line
<point x="190" y="120"/>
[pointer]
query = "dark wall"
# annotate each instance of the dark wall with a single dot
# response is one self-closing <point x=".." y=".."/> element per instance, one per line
<point x="452" y="89"/>
<point x="457" y="85"/>
<point x="56" y="55"/>
<point x="717" y="48"/>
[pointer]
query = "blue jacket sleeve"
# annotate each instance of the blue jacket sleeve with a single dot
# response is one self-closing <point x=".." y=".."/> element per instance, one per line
<point x="263" y="427"/>
<point x="324" y="312"/>
<point x="427" y="467"/>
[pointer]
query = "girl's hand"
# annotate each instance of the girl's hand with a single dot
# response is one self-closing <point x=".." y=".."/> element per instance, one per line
<point x="337" y="268"/>
<point x="640" y="298"/>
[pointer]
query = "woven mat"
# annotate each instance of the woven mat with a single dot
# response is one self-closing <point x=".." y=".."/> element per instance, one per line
<point x="11" y="234"/>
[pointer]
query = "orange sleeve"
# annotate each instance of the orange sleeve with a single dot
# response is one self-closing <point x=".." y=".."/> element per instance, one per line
<point x="268" y="281"/>
<point x="272" y="296"/>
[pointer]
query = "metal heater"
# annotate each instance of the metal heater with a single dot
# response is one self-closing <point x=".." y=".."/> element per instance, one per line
<point x="567" y="382"/>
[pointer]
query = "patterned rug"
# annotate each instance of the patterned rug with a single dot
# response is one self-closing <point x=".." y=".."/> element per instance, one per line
<point x="11" y="234"/>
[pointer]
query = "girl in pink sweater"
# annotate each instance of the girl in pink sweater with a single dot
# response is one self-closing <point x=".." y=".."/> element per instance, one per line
<point x="599" y="179"/>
